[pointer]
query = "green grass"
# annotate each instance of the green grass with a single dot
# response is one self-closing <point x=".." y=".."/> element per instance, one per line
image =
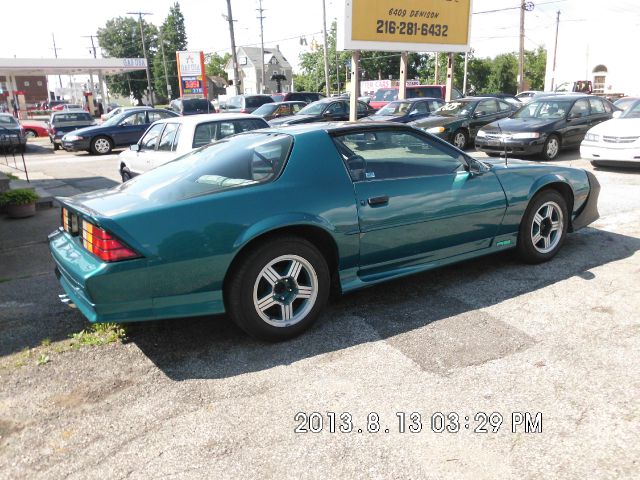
<point x="11" y="176"/>
<point x="99" y="334"/>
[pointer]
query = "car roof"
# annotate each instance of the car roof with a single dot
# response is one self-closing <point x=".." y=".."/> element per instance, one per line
<point x="418" y="99"/>
<point x="204" y="117"/>
<point x="337" y="127"/>
<point x="564" y="96"/>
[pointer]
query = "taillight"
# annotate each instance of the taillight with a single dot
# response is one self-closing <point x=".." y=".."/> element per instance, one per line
<point x="103" y="245"/>
<point x="244" y="110"/>
<point x="69" y="221"/>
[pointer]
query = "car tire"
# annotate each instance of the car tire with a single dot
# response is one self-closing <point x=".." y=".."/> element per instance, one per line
<point x="460" y="139"/>
<point x="278" y="288"/>
<point x="543" y="228"/>
<point x="101" y="145"/>
<point x="30" y="133"/>
<point x="125" y="174"/>
<point x="595" y="163"/>
<point x="551" y="147"/>
<point x="56" y="146"/>
<point x="492" y="154"/>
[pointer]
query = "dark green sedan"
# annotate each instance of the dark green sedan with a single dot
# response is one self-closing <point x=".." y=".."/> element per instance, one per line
<point x="263" y="224"/>
<point x="458" y="122"/>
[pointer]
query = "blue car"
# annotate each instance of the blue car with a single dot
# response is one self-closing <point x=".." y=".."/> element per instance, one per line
<point x="120" y="131"/>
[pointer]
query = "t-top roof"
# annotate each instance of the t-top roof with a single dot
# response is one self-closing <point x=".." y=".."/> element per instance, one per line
<point x="69" y="66"/>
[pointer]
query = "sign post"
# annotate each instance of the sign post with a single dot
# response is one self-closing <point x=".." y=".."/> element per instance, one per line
<point x="406" y="26"/>
<point x="191" y="75"/>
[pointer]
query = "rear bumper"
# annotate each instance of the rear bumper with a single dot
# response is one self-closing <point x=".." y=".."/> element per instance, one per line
<point x="589" y="212"/>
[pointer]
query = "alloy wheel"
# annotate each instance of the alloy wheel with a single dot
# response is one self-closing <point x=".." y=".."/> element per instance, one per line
<point x="547" y="227"/>
<point x="102" y="145"/>
<point x="553" y="146"/>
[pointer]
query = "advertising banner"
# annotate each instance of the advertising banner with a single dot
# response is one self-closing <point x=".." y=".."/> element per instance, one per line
<point x="191" y="74"/>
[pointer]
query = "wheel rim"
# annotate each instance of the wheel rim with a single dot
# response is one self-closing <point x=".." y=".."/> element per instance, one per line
<point x="102" y="145"/>
<point x="285" y="291"/>
<point x="547" y="227"/>
<point x="459" y="140"/>
<point x="30" y="134"/>
<point x="552" y="147"/>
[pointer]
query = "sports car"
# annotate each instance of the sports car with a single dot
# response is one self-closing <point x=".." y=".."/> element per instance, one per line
<point x="262" y="225"/>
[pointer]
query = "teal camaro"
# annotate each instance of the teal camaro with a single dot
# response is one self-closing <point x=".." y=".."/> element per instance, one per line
<point x="263" y="224"/>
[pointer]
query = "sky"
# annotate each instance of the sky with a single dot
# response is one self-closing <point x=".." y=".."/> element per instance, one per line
<point x="584" y="24"/>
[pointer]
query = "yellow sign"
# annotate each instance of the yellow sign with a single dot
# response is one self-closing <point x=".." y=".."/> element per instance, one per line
<point x="408" y="24"/>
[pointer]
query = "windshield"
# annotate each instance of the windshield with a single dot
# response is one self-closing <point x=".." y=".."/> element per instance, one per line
<point x="397" y="109"/>
<point x="386" y="95"/>
<point x="243" y="160"/>
<point x="315" y="108"/>
<point x="544" y="109"/>
<point x="455" y="109"/>
<point x="266" y="109"/>
<point x="8" y="121"/>
<point x="633" y="111"/>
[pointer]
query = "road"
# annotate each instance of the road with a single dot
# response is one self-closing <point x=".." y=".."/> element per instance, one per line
<point x="196" y="398"/>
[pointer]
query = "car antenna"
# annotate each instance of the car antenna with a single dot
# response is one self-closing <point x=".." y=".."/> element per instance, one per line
<point x="504" y="144"/>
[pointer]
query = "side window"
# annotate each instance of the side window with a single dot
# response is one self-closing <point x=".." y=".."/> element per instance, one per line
<point x="155" y="116"/>
<point x="487" y="107"/>
<point x="503" y="106"/>
<point x="206" y="133"/>
<point x="150" y="139"/>
<point x="225" y="129"/>
<point x="580" y="108"/>
<point x="434" y="105"/>
<point x="176" y="138"/>
<point x="362" y="108"/>
<point x="455" y="93"/>
<point x="607" y="106"/>
<point x="296" y="107"/>
<point x="134" y="119"/>
<point x="283" y="110"/>
<point x="596" y="106"/>
<point x="168" y="136"/>
<point x="389" y="154"/>
<point x="336" y="108"/>
<point x="421" y="108"/>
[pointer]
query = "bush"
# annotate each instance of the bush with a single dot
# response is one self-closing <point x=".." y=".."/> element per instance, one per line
<point x="19" y="196"/>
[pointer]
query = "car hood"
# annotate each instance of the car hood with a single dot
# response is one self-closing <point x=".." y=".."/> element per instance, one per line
<point x="92" y="130"/>
<point x="519" y="124"/>
<point x="618" y="127"/>
<point x="437" y="121"/>
<point x="292" y="119"/>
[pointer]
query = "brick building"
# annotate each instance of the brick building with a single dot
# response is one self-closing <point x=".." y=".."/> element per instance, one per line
<point x="33" y="86"/>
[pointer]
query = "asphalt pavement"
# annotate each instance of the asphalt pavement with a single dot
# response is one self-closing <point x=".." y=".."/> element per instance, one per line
<point x="516" y="371"/>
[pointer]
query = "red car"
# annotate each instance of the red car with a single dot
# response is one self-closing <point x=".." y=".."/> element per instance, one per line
<point x="34" y="129"/>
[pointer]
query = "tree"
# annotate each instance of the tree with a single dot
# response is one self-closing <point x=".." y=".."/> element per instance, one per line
<point x="120" y="37"/>
<point x="504" y="74"/>
<point x="215" y="63"/>
<point x="174" y="37"/>
<point x="535" y="67"/>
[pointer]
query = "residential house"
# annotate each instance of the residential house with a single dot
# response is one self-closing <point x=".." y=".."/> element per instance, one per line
<point x="250" y="69"/>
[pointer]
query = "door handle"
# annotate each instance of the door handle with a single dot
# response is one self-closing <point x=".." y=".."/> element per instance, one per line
<point x="378" y="201"/>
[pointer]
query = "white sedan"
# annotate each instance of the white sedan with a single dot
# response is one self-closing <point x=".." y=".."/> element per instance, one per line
<point x="615" y="142"/>
<point x="170" y="138"/>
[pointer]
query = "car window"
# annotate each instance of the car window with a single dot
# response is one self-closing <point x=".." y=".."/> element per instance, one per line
<point x="155" y="116"/>
<point x="608" y="107"/>
<point x="234" y="102"/>
<point x="150" y="139"/>
<point x="206" y="133"/>
<point x="455" y="93"/>
<point x="134" y="119"/>
<point x="504" y="106"/>
<point x="487" y="107"/>
<point x="176" y="138"/>
<point x="420" y="108"/>
<point x="580" y="108"/>
<point x="422" y="92"/>
<point x="283" y="110"/>
<point x="388" y="154"/>
<point x="254" y="102"/>
<point x="168" y="136"/>
<point x="296" y="107"/>
<point x="72" y="117"/>
<point x="362" y="108"/>
<point x="596" y="106"/>
<point x="337" y="108"/>
<point x="246" y="125"/>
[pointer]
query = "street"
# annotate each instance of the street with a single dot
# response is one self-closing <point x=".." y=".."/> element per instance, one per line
<point x="478" y="350"/>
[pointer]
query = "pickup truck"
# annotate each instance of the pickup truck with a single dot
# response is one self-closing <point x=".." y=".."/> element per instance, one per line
<point x="62" y="123"/>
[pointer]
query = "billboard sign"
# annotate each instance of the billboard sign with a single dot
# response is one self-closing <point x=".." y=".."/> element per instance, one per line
<point x="407" y="25"/>
<point x="191" y="74"/>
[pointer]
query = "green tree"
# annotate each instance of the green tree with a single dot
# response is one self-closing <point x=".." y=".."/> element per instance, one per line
<point x="120" y="38"/>
<point x="174" y="37"/>
<point x="504" y="74"/>
<point x="535" y="67"/>
<point x="215" y="63"/>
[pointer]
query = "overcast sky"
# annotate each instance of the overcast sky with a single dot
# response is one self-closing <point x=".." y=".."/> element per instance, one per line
<point x="582" y="22"/>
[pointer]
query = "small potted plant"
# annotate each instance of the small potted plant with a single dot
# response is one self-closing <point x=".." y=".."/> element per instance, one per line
<point x="19" y="203"/>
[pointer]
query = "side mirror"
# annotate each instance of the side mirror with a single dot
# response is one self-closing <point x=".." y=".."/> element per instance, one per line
<point x="616" y="114"/>
<point x="326" y="115"/>
<point x="479" y="114"/>
<point x="135" y="147"/>
<point x="571" y="116"/>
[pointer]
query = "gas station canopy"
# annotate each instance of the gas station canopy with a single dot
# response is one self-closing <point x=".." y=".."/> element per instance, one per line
<point x="69" y="66"/>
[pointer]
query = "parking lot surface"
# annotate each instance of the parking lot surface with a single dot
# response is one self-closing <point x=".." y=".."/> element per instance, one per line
<point x="493" y="341"/>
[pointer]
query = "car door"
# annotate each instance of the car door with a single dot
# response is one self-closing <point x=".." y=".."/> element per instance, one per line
<point x="166" y="149"/>
<point x="578" y="123"/>
<point x="419" y="110"/>
<point x="598" y="112"/>
<point x="486" y="111"/>
<point x="130" y="129"/>
<point x="416" y="201"/>
<point x="140" y="161"/>
<point x="336" y="111"/>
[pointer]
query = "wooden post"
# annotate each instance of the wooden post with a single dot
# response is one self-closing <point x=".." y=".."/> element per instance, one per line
<point x="402" y="89"/>
<point x="355" y="85"/>
<point x="449" y="77"/>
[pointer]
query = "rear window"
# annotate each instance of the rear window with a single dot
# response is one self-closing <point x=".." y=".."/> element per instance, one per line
<point x="234" y="102"/>
<point x="386" y="95"/>
<point x="241" y="161"/>
<point x="72" y="117"/>
<point x="8" y="120"/>
<point x="421" y="92"/>
<point x="196" y="105"/>
<point x="253" y="102"/>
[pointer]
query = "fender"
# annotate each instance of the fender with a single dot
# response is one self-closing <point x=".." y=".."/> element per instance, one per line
<point x="546" y="180"/>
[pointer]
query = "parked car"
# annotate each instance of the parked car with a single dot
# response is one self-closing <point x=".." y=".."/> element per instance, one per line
<point x="170" y="138"/>
<point x="404" y="111"/>
<point x="390" y="94"/>
<point x="12" y="135"/>
<point x="269" y="111"/>
<point x="513" y="100"/>
<point x="191" y="106"/>
<point x="57" y="105"/>
<point x="625" y="102"/>
<point x="615" y="142"/>
<point x="248" y="226"/>
<point x="527" y="95"/>
<point x="325" y="110"/>
<point x="71" y="106"/>
<point x="116" y="111"/>
<point x="307" y="97"/>
<point x="244" y="103"/>
<point x="61" y="123"/>
<point x="34" y="129"/>
<point x="458" y="122"/>
<point x="545" y="126"/>
<point x="119" y="131"/>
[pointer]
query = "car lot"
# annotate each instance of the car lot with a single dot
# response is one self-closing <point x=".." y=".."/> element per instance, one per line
<point x="197" y="397"/>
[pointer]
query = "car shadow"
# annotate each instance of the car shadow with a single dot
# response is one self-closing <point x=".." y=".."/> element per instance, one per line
<point x="627" y="170"/>
<point x="213" y="347"/>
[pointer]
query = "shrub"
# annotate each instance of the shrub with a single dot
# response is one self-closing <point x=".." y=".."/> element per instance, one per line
<point x="19" y="196"/>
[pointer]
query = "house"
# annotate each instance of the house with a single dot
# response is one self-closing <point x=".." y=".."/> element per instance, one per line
<point x="250" y="69"/>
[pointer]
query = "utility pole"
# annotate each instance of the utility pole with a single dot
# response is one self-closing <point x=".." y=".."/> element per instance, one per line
<point x="55" y="53"/>
<point x="464" y="78"/>
<point x="144" y="50"/>
<point x="326" y="58"/>
<point x="164" y="64"/>
<point x="105" y="95"/>
<point x="261" y="17"/>
<point x="93" y="50"/>
<point x="435" y="80"/>
<point x="555" y="51"/>
<point x="234" y="54"/>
